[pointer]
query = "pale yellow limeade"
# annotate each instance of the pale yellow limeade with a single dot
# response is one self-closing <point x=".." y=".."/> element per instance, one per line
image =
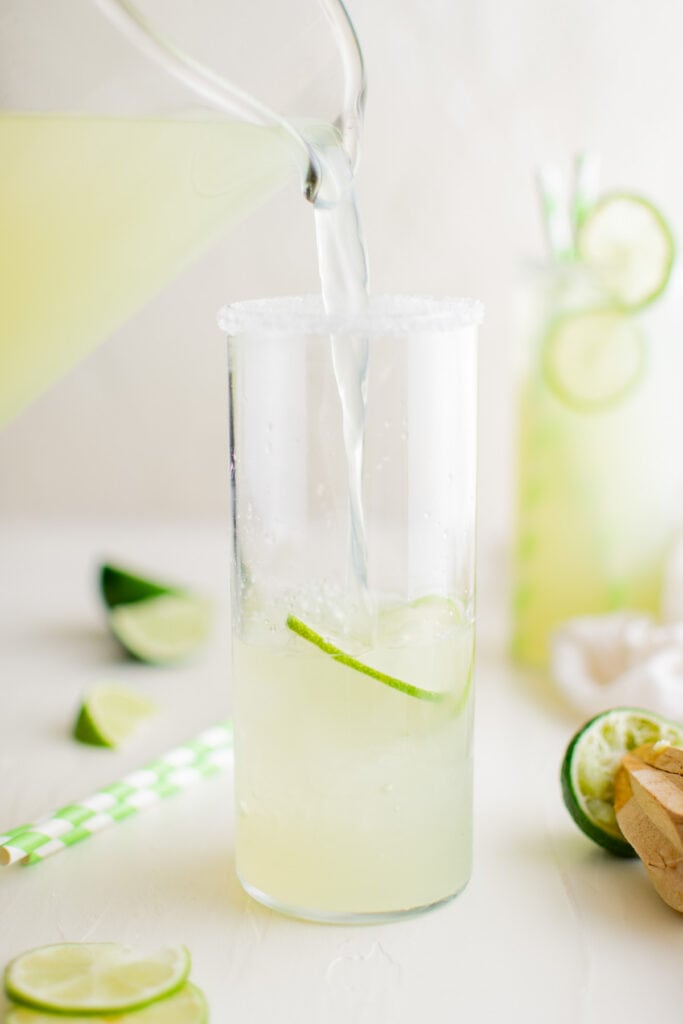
<point x="352" y="796"/>
<point x="97" y="214"/>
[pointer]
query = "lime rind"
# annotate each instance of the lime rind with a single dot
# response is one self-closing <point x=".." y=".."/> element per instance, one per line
<point x="94" y="978"/>
<point x="593" y="359"/>
<point x="306" y="633"/>
<point x="628" y="245"/>
<point x="592" y="760"/>
<point x="186" y="1006"/>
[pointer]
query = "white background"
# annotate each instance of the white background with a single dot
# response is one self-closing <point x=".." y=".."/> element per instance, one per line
<point x="465" y="99"/>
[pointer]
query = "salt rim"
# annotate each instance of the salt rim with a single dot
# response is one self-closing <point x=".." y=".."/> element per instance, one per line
<point x="386" y="314"/>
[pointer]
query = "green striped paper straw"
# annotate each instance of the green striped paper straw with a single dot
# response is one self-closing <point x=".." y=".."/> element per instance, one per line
<point x="555" y="210"/>
<point x="206" y="755"/>
<point x="586" y="186"/>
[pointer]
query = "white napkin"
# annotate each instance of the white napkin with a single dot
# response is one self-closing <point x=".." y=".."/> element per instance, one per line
<point x="625" y="658"/>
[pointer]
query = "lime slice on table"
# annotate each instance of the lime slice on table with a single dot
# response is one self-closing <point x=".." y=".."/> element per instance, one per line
<point x="154" y="622"/>
<point x="593" y="358"/>
<point x="591" y="763"/>
<point x="91" y="978"/>
<point x="306" y="633"/>
<point x="109" y="714"/>
<point x="627" y="244"/>
<point x="187" y="1006"/>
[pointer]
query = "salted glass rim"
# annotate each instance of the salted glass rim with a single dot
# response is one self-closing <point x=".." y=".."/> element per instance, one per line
<point x="385" y="314"/>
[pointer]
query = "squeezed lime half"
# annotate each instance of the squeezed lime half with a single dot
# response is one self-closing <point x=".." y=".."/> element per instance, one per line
<point x="591" y="763"/>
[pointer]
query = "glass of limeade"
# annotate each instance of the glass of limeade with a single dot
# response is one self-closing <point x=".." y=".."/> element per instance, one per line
<point x="600" y="481"/>
<point x="353" y="554"/>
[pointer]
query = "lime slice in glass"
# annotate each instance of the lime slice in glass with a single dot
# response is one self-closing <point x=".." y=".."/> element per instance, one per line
<point x="187" y="1006"/>
<point x="591" y="764"/>
<point x="592" y="359"/>
<point x="162" y="630"/>
<point x="91" y="978"/>
<point x="109" y="714"/>
<point x="627" y="244"/>
<point x="306" y="633"/>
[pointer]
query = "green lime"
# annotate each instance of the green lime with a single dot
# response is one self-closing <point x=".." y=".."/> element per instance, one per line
<point x="119" y="586"/>
<point x="109" y="714"/>
<point x="187" y="1006"/>
<point x="592" y="761"/>
<point x="162" y="630"/>
<point x="306" y="633"/>
<point x="92" y="978"/>
<point x="593" y="358"/>
<point x="627" y="244"/>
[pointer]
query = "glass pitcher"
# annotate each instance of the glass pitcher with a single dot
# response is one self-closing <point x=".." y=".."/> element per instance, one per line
<point x="123" y="162"/>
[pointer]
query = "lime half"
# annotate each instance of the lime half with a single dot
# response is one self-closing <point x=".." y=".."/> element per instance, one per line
<point x="91" y="978"/>
<point x="109" y="714"/>
<point x="187" y="1006"/>
<point x="592" y="359"/>
<point x="591" y="764"/>
<point x="627" y="244"/>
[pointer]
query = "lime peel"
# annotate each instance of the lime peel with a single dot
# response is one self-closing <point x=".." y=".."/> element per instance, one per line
<point x="306" y="633"/>
<point x="92" y="978"/>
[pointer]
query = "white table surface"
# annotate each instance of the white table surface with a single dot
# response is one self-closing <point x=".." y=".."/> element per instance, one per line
<point x="549" y="930"/>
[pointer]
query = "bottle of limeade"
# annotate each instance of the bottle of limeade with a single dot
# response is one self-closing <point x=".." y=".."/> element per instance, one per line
<point x="600" y="477"/>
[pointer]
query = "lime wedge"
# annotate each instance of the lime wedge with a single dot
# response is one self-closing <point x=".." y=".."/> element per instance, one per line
<point x="109" y="714"/>
<point x="91" y="978"/>
<point x="592" y="359"/>
<point x="154" y="622"/>
<point x="187" y="1006"/>
<point x="627" y="244"/>
<point x="591" y="764"/>
<point x="162" y="630"/>
<point x="306" y="633"/>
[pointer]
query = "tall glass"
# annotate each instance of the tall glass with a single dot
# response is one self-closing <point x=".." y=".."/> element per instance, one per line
<point x="600" y="478"/>
<point x="352" y="674"/>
